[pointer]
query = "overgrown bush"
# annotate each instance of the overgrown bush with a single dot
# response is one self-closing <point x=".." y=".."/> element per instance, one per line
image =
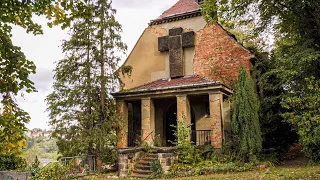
<point x="54" y="171"/>
<point x="110" y="156"/>
<point x="305" y="118"/>
<point x="156" y="168"/>
<point x="186" y="151"/>
<point x="34" y="168"/>
<point x="208" y="167"/>
<point x="11" y="162"/>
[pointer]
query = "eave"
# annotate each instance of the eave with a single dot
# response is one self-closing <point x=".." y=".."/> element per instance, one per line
<point x="176" y="17"/>
<point x="198" y="89"/>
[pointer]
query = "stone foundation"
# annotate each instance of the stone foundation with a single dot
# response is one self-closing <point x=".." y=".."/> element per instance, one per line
<point x="14" y="175"/>
<point x="127" y="158"/>
<point x="167" y="157"/>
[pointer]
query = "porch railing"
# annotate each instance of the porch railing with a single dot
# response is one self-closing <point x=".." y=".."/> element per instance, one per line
<point x="80" y="164"/>
<point x="201" y="137"/>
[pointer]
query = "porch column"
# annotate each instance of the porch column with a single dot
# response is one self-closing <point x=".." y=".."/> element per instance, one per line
<point x="215" y="101"/>
<point x="183" y="110"/>
<point x="122" y="112"/>
<point x="148" y="120"/>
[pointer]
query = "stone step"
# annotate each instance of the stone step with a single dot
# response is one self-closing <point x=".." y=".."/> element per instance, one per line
<point x="143" y="172"/>
<point x="153" y="155"/>
<point x="148" y="159"/>
<point x="142" y="167"/>
<point x="144" y="163"/>
<point x="142" y="176"/>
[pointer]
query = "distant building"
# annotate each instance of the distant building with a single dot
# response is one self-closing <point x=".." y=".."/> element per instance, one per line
<point x="40" y="133"/>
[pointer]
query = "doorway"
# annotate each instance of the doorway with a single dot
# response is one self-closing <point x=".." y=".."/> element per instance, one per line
<point x="170" y="118"/>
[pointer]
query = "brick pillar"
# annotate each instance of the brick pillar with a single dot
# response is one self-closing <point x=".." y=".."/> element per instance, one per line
<point x="148" y="120"/>
<point x="183" y="110"/>
<point x="122" y="112"/>
<point x="215" y="101"/>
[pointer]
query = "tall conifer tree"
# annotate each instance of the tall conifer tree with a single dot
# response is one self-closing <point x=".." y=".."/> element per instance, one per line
<point x="81" y="110"/>
<point x="245" y="119"/>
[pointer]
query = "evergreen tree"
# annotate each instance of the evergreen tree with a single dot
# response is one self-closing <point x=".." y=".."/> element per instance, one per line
<point x="82" y="112"/>
<point x="245" y="119"/>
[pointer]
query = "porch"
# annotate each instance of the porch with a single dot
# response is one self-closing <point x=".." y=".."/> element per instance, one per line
<point x="151" y="114"/>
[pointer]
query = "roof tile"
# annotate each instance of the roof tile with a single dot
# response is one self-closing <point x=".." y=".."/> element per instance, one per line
<point x="181" y="6"/>
<point x="176" y="82"/>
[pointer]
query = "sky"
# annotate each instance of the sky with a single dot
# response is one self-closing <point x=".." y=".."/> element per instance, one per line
<point x="44" y="50"/>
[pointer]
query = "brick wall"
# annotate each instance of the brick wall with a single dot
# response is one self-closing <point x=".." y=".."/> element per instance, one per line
<point x="218" y="55"/>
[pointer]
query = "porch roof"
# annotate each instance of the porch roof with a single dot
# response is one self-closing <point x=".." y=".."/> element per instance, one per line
<point x="186" y="82"/>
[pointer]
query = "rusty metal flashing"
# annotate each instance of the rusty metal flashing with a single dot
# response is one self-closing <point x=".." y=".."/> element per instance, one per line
<point x="176" y="17"/>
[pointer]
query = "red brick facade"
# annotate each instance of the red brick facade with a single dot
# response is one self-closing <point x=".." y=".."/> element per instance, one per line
<point x="218" y="55"/>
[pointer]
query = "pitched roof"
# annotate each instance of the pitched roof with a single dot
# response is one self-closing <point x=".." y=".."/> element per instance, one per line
<point x="191" y="81"/>
<point x="182" y="6"/>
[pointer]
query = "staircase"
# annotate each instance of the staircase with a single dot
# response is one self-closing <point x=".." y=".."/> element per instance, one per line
<point x="142" y="168"/>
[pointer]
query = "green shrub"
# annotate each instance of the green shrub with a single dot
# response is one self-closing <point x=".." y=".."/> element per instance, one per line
<point x="34" y="168"/>
<point x="110" y="156"/>
<point x="186" y="150"/>
<point x="11" y="162"/>
<point x="54" y="171"/>
<point x="156" y="168"/>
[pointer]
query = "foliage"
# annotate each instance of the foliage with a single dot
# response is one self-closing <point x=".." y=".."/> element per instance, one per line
<point x="34" y="168"/>
<point x="156" y="168"/>
<point x="13" y="147"/>
<point x="11" y="162"/>
<point x="208" y="167"/>
<point x="304" y="115"/>
<point x="53" y="171"/>
<point x="81" y="110"/>
<point x="185" y="149"/>
<point x="295" y="55"/>
<point x="280" y="172"/>
<point x="245" y="119"/>
<point x="15" y="68"/>
<point x="209" y="153"/>
<point x="158" y="141"/>
<point x="277" y="133"/>
<point x="41" y="147"/>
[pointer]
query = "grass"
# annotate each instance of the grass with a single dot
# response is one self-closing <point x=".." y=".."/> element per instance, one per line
<point x="274" y="173"/>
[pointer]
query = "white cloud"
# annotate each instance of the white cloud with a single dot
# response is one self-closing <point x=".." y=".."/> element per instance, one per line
<point x="44" y="50"/>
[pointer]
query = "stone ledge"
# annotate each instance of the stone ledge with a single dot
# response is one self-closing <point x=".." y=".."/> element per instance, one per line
<point x="129" y="150"/>
<point x="165" y="149"/>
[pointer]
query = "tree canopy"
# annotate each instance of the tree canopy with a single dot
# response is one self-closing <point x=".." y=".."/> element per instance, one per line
<point x="15" y="68"/>
<point x="82" y="112"/>
<point x="290" y="75"/>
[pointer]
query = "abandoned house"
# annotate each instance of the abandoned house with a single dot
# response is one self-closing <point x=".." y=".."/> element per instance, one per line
<point x="181" y="67"/>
